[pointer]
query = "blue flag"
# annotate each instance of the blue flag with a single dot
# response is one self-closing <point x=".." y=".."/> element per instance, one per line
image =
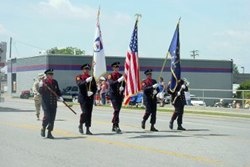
<point x="175" y="67"/>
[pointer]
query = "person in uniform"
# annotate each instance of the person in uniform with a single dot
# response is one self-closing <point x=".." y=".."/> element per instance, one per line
<point x="87" y="89"/>
<point x="50" y="92"/>
<point x="37" y="96"/>
<point x="116" y="93"/>
<point x="150" y="90"/>
<point x="178" y="101"/>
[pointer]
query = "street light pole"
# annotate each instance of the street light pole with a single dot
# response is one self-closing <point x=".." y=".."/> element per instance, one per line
<point x="243" y="70"/>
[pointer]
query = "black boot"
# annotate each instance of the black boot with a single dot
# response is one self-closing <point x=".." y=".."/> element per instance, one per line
<point x="88" y="131"/>
<point x="49" y="136"/>
<point x="171" y="125"/>
<point x="153" y="129"/>
<point x="80" y="128"/>
<point x="43" y="132"/>
<point x="113" y="128"/>
<point x="143" y="124"/>
<point x="118" y="130"/>
<point x="180" y="128"/>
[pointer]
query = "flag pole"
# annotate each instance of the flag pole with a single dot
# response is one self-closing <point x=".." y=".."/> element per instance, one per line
<point x="165" y="61"/>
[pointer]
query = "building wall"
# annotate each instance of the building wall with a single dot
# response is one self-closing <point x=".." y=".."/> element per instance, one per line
<point x="202" y="74"/>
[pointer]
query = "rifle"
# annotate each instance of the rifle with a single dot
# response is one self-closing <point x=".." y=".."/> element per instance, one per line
<point x="54" y="93"/>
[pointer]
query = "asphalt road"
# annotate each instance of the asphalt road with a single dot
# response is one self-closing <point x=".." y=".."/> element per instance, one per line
<point x="208" y="141"/>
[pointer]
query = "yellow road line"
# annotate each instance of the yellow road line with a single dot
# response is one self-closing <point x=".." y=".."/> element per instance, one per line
<point x="65" y="133"/>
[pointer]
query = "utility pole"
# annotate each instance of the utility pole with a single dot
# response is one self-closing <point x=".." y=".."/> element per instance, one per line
<point x="194" y="53"/>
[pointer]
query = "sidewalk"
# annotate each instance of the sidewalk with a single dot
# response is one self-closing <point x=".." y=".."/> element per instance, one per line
<point x="168" y="107"/>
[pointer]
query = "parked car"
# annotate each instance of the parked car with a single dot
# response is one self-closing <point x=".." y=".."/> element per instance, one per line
<point x="70" y="93"/>
<point x="196" y="101"/>
<point x="25" y="94"/>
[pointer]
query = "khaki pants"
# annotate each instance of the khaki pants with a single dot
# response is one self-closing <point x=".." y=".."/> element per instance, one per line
<point x="37" y="100"/>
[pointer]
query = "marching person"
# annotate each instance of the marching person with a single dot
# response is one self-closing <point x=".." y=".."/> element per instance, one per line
<point x="49" y="102"/>
<point x="116" y="90"/>
<point x="87" y="89"/>
<point x="178" y="101"/>
<point x="37" y="96"/>
<point x="150" y="90"/>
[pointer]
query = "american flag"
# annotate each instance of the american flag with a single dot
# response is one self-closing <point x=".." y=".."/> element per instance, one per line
<point x="175" y="67"/>
<point x="131" y="67"/>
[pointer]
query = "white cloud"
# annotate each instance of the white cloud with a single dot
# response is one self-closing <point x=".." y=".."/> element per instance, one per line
<point x="236" y="35"/>
<point x="4" y="32"/>
<point x="65" y="9"/>
<point x="2" y="29"/>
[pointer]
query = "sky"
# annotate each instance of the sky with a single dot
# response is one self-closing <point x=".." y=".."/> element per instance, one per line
<point x="218" y="29"/>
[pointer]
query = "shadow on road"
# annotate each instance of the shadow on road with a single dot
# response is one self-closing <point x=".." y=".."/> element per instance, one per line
<point x="69" y="138"/>
<point x="6" y="109"/>
<point x="156" y="136"/>
<point x="195" y="130"/>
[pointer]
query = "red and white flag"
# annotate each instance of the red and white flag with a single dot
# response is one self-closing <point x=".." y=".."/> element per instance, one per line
<point x="131" y="68"/>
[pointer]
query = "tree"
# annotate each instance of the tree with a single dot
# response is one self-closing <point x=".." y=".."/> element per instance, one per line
<point x="244" y="94"/>
<point x="235" y="69"/>
<point x="67" y="51"/>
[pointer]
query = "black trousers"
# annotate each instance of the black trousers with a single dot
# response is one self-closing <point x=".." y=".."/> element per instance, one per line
<point x="178" y="113"/>
<point x="86" y="115"/>
<point x="117" y="104"/>
<point x="151" y="107"/>
<point x="49" y="117"/>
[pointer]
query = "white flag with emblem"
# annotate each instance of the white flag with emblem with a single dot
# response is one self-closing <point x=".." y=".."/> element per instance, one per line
<point x="99" y="61"/>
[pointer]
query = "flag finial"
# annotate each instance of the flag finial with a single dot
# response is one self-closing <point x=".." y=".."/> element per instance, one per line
<point x="138" y="15"/>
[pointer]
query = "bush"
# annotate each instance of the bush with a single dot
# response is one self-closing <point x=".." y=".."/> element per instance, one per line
<point x="244" y="94"/>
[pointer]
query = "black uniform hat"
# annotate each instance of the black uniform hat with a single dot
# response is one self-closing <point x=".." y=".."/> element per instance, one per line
<point x="49" y="71"/>
<point x="115" y="64"/>
<point x="85" y="66"/>
<point x="149" y="71"/>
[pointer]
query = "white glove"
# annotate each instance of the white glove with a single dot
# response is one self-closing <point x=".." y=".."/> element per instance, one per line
<point x="89" y="79"/>
<point x="183" y="86"/>
<point x="155" y="92"/>
<point x="60" y="99"/>
<point x="179" y="93"/>
<point x="121" y="88"/>
<point x="90" y="93"/>
<point x="155" y="85"/>
<point x="40" y="84"/>
<point x="120" y="79"/>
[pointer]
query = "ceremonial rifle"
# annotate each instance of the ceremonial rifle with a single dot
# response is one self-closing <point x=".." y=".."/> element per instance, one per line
<point x="54" y="93"/>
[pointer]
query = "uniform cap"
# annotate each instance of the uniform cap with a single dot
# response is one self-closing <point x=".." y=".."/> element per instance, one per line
<point x="148" y="71"/>
<point x="115" y="64"/>
<point x="40" y="75"/>
<point x="49" y="71"/>
<point x="85" y="66"/>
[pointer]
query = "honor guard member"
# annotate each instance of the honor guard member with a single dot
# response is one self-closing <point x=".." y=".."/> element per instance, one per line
<point x="116" y="91"/>
<point x="178" y="101"/>
<point x="150" y="90"/>
<point x="87" y="89"/>
<point x="37" y="95"/>
<point x="49" y="101"/>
